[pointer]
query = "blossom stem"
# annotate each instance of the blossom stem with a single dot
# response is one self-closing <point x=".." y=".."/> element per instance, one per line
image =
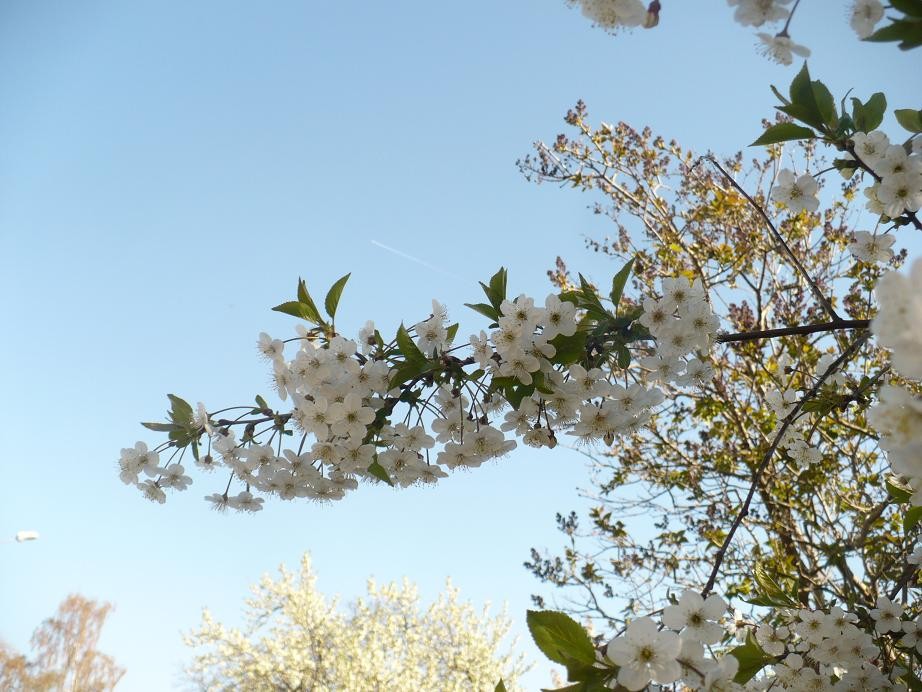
<point x="784" y="31"/>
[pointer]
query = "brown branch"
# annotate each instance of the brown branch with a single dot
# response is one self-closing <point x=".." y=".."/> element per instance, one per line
<point x="791" y="331"/>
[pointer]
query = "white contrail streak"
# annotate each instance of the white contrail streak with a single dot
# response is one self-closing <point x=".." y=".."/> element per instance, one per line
<point x="411" y="258"/>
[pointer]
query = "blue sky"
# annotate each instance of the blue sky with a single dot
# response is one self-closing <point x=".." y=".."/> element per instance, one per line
<point x="169" y="169"/>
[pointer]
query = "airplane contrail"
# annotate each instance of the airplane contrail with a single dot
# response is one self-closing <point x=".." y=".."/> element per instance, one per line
<point x="411" y="258"/>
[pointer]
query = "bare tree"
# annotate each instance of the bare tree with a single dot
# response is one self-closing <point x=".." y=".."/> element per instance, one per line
<point x="65" y="653"/>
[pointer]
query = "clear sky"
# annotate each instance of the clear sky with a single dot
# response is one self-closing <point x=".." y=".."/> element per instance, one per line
<point x="167" y="171"/>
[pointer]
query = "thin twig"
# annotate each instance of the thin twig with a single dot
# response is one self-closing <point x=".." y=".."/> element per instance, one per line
<point x="827" y="306"/>
<point x="786" y="423"/>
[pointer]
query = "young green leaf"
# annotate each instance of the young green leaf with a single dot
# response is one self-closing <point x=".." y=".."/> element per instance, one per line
<point x="898" y="492"/>
<point x="161" y="427"/>
<point x="498" y="286"/>
<point x="751" y="659"/>
<point x="912" y="518"/>
<point x="870" y="114"/>
<point x="560" y="638"/>
<point x="908" y="32"/>
<point x="408" y="347"/>
<point x="484" y="309"/>
<point x="618" y="282"/>
<point x="910" y="119"/>
<point x="783" y="132"/>
<point x="380" y="472"/>
<point x="180" y="412"/>
<point x="295" y="309"/>
<point x="332" y="300"/>
<point x="311" y="313"/>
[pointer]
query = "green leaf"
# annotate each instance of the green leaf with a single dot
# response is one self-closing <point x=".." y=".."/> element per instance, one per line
<point x="908" y="32"/>
<point x="498" y="286"/>
<point x="406" y="372"/>
<point x="516" y="393"/>
<point x="336" y="290"/>
<point x="379" y="472"/>
<point x="569" y="349"/>
<point x="618" y="282"/>
<point x="180" y="412"/>
<point x="898" y="492"/>
<point x="770" y="589"/>
<point x="560" y="638"/>
<point x="783" y="132"/>
<point x="452" y="331"/>
<point x="408" y="347"/>
<point x="540" y="384"/>
<point x="910" y="119"/>
<point x="484" y="309"/>
<point x="570" y="296"/>
<point x="304" y="311"/>
<point x="910" y="7"/>
<point x="811" y="102"/>
<point x="911" y="518"/>
<point x="500" y="687"/>
<point x="825" y="103"/>
<point x="751" y="659"/>
<point x="161" y="427"/>
<point x="261" y="402"/>
<point x="870" y="114"/>
<point x="311" y="313"/>
<point x="624" y="357"/>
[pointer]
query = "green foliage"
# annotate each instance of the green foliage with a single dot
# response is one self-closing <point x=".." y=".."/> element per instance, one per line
<point x="770" y="592"/>
<point x="380" y="472"/>
<point x="784" y="132"/>
<point x="332" y="300"/>
<point x="869" y="115"/>
<point x="408" y="348"/>
<point x="564" y="641"/>
<point x="910" y="119"/>
<point x="560" y="638"/>
<point x="751" y="658"/>
<point x="906" y="31"/>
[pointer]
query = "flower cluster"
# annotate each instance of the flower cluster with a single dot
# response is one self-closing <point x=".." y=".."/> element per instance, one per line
<point x="801" y="649"/>
<point x="898" y="173"/>
<point x="646" y="653"/>
<point x="898" y="324"/>
<point x="612" y="15"/>
<point x="682" y="323"/>
<point x="408" y="410"/>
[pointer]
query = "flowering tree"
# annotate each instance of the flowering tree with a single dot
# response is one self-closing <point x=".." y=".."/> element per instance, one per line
<point x="753" y="366"/>
<point x="296" y="639"/>
<point x="66" y="657"/>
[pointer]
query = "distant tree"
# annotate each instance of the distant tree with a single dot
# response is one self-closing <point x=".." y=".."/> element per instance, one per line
<point x="66" y="657"/>
<point x="297" y="639"/>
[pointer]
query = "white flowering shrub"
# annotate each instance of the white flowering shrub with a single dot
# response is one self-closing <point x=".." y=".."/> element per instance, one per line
<point x="756" y="358"/>
<point x="297" y="639"/>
